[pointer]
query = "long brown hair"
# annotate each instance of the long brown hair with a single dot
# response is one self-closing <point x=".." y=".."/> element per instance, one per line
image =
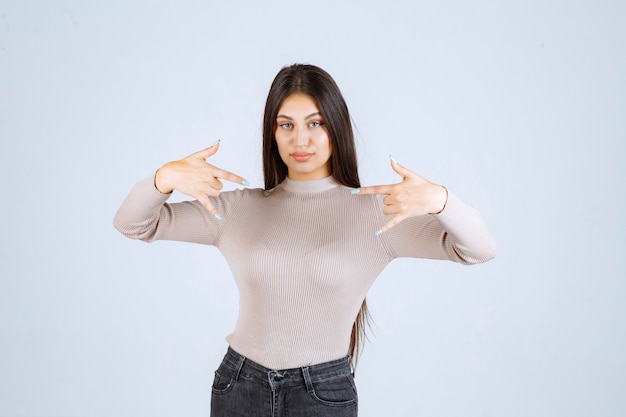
<point x="319" y="85"/>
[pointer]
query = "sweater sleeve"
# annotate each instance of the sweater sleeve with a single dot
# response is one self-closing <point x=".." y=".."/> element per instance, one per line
<point x="457" y="234"/>
<point x="146" y="215"/>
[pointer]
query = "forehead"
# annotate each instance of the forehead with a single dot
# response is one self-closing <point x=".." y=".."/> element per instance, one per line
<point x="298" y="104"/>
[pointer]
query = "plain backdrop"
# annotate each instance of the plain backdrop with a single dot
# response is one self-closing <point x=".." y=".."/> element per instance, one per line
<point x="518" y="107"/>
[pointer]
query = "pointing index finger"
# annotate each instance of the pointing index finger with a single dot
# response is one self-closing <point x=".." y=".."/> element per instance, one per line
<point x="375" y="189"/>
<point x="229" y="176"/>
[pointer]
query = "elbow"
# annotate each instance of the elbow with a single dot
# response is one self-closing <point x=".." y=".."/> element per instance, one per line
<point x="118" y="224"/>
<point x="131" y="231"/>
<point x="121" y="225"/>
<point x="123" y="228"/>
<point x="487" y="252"/>
<point x="487" y="255"/>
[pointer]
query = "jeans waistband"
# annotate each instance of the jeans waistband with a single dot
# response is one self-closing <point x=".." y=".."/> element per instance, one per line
<point x="306" y="375"/>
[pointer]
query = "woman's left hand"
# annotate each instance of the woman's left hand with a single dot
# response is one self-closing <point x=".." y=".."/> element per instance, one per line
<point x="414" y="196"/>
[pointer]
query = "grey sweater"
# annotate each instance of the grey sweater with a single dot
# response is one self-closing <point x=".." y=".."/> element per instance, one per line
<point x="303" y="256"/>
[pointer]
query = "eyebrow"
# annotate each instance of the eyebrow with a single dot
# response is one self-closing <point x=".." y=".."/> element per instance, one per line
<point x="282" y="116"/>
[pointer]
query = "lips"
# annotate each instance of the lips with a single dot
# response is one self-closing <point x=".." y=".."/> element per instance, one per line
<point x="301" y="156"/>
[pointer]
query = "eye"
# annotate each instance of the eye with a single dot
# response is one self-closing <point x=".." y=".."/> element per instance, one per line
<point x="286" y="125"/>
<point x="315" y="124"/>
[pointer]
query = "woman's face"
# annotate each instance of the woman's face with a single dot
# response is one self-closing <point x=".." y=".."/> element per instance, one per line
<point x="302" y="138"/>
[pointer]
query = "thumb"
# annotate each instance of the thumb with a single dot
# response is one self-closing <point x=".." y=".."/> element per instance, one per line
<point x="399" y="169"/>
<point x="211" y="150"/>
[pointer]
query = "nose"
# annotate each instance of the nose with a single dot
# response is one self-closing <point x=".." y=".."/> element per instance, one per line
<point x="302" y="138"/>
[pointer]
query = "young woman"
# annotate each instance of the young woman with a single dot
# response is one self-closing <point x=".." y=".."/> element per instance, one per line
<point x="304" y="250"/>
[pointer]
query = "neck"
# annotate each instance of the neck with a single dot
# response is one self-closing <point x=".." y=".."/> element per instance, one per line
<point x="309" y="186"/>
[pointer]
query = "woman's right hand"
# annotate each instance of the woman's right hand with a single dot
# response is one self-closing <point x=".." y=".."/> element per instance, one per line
<point x="195" y="177"/>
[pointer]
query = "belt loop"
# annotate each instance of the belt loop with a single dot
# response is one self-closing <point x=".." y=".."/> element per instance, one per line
<point x="239" y="366"/>
<point x="307" y="379"/>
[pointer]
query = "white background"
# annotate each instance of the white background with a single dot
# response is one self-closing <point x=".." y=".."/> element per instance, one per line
<point x="517" y="107"/>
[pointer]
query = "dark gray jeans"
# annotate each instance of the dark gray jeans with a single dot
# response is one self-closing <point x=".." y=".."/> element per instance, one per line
<point x="243" y="388"/>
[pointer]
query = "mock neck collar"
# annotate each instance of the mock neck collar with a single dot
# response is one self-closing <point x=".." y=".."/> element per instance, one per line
<point x="309" y="186"/>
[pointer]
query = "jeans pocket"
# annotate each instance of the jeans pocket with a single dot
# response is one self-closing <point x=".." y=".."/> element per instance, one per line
<point x="224" y="380"/>
<point x="337" y="392"/>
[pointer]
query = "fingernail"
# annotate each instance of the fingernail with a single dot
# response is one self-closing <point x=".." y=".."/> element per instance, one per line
<point x="217" y="216"/>
<point x="216" y="142"/>
<point x="245" y="183"/>
<point x="378" y="232"/>
<point x="393" y="159"/>
<point x="355" y="191"/>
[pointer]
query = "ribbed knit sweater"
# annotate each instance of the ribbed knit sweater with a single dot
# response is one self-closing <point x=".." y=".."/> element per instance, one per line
<point x="303" y="256"/>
